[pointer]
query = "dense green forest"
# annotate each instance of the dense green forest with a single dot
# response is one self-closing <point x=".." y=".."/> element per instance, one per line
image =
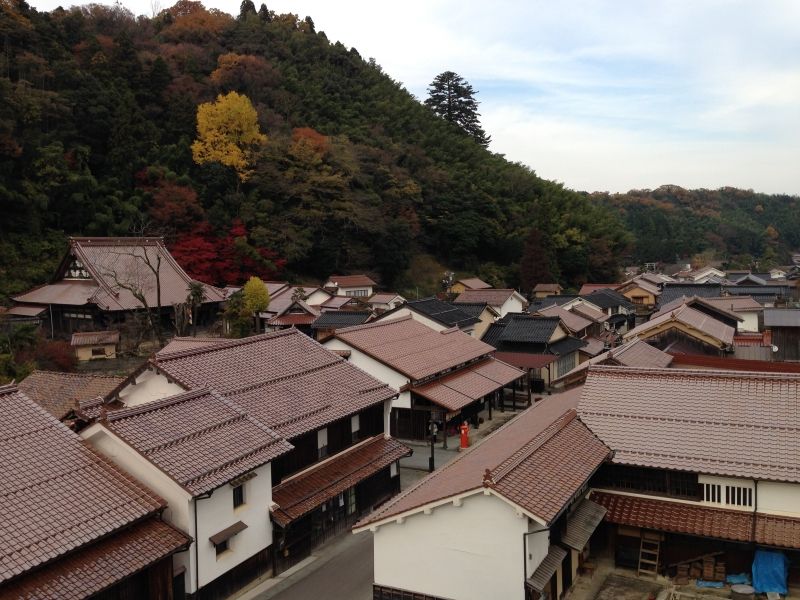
<point x="742" y="228"/>
<point x="98" y="114"/>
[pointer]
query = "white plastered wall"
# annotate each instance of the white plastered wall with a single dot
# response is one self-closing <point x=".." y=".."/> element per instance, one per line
<point x="216" y="513"/>
<point x="779" y="498"/>
<point x="375" y="368"/>
<point x="750" y="322"/>
<point x="149" y="386"/>
<point x="476" y="549"/>
<point x="179" y="502"/>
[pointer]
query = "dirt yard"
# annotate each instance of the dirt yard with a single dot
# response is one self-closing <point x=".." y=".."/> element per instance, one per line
<point x="618" y="587"/>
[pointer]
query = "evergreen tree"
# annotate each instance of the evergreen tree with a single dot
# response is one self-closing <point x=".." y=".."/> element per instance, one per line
<point x="451" y="97"/>
<point x="246" y="8"/>
<point x="263" y="14"/>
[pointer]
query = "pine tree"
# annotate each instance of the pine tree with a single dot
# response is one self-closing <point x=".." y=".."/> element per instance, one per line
<point x="451" y="97"/>
<point x="263" y="14"/>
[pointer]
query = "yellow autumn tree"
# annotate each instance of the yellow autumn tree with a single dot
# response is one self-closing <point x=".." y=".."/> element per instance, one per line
<point x="228" y="132"/>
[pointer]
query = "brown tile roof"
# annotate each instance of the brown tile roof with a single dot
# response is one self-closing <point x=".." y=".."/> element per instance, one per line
<point x="588" y="312"/>
<point x="763" y="338"/>
<point x="94" y="338"/>
<point x="697" y="301"/>
<point x="693" y="319"/>
<point x="383" y="298"/>
<point x="676" y="517"/>
<point x="538" y="460"/>
<point x="782" y="532"/>
<point x="112" y="260"/>
<point x="642" y="284"/>
<point x="179" y="344"/>
<point x="571" y="320"/>
<point x="304" y="492"/>
<point x="588" y="288"/>
<point x="687" y="361"/>
<point x="292" y="319"/>
<point x="736" y="303"/>
<point x="473" y="283"/>
<point x="593" y="346"/>
<point x="71" y="293"/>
<point x="681" y="517"/>
<point x="524" y="360"/>
<point x="351" y="280"/>
<point x="636" y="353"/>
<point x="412" y="348"/>
<point x="455" y="391"/>
<point x="544" y="475"/>
<point x="335" y="303"/>
<point x="730" y="423"/>
<point x="23" y="311"/>
<point x="101" y="565"/>
<point x="284" y="379"/>
<point x="57" y="494"/>
<point x="199" y="439"/>
<point x="547" y="287"/>
<point x="58" y="393"/>
<point x="109" y="260"/>
<point x="284" y="299"/>
<point x="491" y="297"/>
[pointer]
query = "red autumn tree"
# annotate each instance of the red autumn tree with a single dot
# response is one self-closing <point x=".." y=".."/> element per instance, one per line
<point x="227" y="260"/>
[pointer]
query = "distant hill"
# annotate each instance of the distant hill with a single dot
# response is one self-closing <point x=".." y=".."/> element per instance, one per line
<point x="737" y="226"/>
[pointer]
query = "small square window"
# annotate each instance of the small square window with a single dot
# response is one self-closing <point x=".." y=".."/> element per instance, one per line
<point x="221" y="547"/>
<point x="238" y="496"/>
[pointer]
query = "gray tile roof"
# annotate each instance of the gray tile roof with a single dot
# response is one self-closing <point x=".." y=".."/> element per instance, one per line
<point x="673" y="291"/>
<point x="442" y="312"/>
<point x="524" y="329"/>
<point x="607" y="298"/>
<point x="781" y="317"/>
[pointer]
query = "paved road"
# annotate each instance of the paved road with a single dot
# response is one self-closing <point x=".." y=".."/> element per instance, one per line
<point x="345" y="573"/>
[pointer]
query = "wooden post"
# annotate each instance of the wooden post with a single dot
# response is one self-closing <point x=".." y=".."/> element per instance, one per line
<point x="529" y="388"/>
<point x="500" y="393"/>
<point x="514" y="399"/>
<point x="490" y="407"/>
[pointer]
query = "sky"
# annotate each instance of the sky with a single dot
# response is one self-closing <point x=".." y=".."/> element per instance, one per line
<point x="605" y="95"/>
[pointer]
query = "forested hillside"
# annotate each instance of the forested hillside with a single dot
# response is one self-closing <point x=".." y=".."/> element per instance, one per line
<point x="98" y="114"/>
<point x="736" y="226"/>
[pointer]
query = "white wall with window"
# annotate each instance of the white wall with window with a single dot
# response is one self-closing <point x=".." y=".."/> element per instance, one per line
<point x="726" y="492"/>
<point x="225" y="510"/>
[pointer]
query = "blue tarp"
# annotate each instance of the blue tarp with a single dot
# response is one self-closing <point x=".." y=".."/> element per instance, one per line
<point x="709" y="584"/>
<point x="770" y="571"/>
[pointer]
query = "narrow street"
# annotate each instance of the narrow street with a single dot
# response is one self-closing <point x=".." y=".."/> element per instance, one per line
<point x="341" y="571"/>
